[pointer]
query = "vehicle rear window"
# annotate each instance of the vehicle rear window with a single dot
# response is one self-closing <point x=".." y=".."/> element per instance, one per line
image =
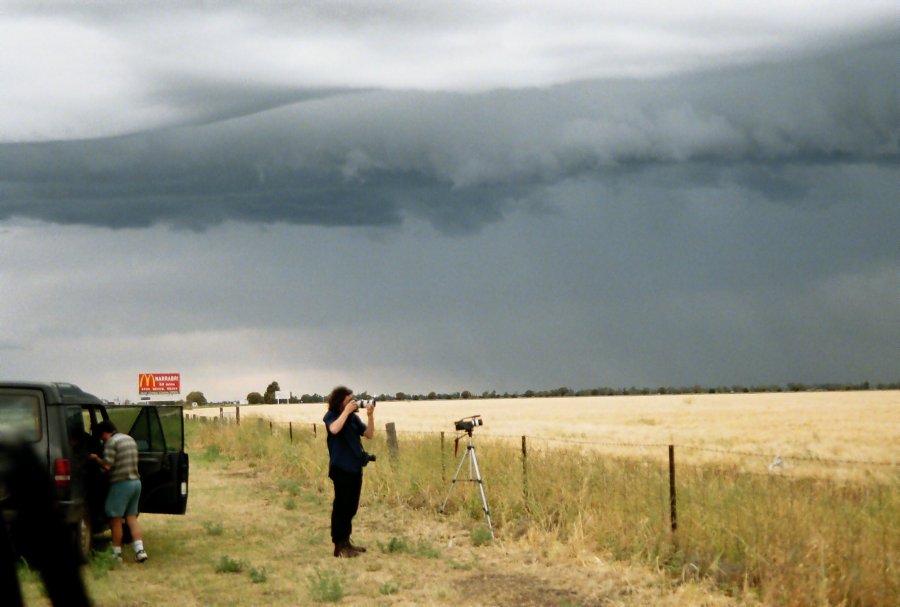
<point x="20" y="414"/>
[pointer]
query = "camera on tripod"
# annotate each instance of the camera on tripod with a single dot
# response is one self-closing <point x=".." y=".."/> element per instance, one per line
<point x="467" y="424"/>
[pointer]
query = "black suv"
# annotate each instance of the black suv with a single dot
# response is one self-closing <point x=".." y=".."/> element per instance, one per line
<point x="59" y="421"/>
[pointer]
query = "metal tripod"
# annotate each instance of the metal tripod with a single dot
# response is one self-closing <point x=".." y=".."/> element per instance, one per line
<point x="474" y="477"/>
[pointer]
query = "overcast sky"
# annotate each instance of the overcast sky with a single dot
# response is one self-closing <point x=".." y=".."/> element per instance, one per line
<point x="416" y="196"/>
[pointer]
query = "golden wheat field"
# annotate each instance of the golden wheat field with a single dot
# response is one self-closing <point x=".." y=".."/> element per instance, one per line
<point x="856" y="426"/>
<point x="819" y="529"/>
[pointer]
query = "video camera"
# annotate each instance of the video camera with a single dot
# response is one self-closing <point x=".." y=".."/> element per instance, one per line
<point x="467" y="424"/>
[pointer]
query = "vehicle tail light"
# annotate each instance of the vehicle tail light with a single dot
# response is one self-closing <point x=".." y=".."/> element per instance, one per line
<point x="62" y="473"/>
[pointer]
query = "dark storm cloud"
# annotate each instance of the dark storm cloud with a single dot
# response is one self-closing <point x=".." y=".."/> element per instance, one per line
<point x="461" y="160"/>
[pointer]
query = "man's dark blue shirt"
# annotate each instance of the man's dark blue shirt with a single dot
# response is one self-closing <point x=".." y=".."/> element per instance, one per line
<point x="345" y="447"/>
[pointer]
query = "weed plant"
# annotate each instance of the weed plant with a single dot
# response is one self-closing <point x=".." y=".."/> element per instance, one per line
<point x="102" y="562"/>
<point x="325" y="586"/>
<point x="396" y="544"/>
<point x="226" y="564"/>
<point x="389" y="588"/>
<point x="258" y="576"/>
<point x="789" y="540"/>
<point x="480" y="536"/>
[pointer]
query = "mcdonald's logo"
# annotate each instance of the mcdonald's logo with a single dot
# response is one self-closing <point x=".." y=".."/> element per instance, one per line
<point x="146" y="382"/>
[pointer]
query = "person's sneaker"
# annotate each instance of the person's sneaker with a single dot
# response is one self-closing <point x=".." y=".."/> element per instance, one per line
<point x="140" y="556"/>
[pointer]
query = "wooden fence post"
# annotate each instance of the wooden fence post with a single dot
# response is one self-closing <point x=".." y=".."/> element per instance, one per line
<point x="222" y="413"/>
<point x="393" y="447"/>
<point x="443" y="464"/>
<point x="314" y="431"/>
<point x="672" y="514"/>
<point x="525" y="472"/>
<point x="237" y="415"/>
<point x="291" y="431"/>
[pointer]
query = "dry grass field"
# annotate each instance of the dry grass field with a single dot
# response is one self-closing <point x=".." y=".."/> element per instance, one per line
<point x="863" y="426"/>
<point x="257" y="534"/>
<point x="823" y="529"/>
<point x="582" y="521"/>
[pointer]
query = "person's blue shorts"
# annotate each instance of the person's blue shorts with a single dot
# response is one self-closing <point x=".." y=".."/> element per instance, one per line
<point x="123" y="499"/>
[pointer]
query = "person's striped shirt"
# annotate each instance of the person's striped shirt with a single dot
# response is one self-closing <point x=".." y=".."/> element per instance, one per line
<point x="121" y="453"/>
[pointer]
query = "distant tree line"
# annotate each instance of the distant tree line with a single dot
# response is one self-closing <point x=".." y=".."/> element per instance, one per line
<point x="635" y="391"/>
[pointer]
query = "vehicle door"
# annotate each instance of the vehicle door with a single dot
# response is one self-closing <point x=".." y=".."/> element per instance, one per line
<point x="158" y="431"/>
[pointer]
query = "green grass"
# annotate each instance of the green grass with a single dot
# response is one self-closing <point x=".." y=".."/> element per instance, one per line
<point x="395" y="544"/>
<point x="102" y="563"/>
<point x="389" y="588"/>
<point x="480" y="536"/>
<point x="226" y="564"/>
<point x="258" y="576"/>
<point x="325" y="586"/>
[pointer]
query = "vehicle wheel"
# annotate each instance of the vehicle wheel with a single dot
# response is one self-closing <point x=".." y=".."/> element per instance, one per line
<point x="84" y="538"/>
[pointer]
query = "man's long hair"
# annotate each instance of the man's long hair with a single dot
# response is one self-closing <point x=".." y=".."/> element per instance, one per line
<point x="336" y="399"/>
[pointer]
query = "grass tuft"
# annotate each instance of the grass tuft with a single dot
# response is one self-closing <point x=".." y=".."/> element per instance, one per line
<point x="325" y="586"/>
<point x="396" y="544"/>
<point x="389" y="588"/>
<point x="258" y="576"/>
<point x="214" y="528"/>
<point x="227" y="564"/>
<point x="102" y="563"/>
<point x="480" y="536"/>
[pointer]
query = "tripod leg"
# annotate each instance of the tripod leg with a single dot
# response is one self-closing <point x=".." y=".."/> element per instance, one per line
<point x="453" y="482"/>
<point x="487" y="512"/>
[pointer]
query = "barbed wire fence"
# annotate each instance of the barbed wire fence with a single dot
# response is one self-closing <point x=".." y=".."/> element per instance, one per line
<point x="657" y="452"/>
<point x="733" y="514"/>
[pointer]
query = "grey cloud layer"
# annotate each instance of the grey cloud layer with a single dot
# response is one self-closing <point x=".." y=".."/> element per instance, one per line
<point x="460" y="160"/>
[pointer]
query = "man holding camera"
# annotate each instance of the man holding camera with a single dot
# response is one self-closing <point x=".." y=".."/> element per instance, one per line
<point x="346" y="460"/>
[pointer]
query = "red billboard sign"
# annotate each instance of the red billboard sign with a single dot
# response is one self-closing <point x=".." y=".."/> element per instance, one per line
<point x="159" y="383"/>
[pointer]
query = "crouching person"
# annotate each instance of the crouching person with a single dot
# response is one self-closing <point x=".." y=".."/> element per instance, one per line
<point x="120" y="461"/>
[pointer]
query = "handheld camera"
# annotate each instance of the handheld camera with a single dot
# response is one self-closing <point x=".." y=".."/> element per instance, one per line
<point x="365" y="403"/>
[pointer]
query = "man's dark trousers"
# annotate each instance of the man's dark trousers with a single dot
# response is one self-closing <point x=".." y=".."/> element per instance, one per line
<point x="347" y="487"/>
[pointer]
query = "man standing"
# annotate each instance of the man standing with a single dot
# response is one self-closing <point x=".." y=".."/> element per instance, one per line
<point x="120" y="460"/>
<point x="346" y="459"/>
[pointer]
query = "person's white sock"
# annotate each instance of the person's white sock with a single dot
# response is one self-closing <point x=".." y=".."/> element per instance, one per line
<point x="117" y="551"/>
<point x="138" y="545"/>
